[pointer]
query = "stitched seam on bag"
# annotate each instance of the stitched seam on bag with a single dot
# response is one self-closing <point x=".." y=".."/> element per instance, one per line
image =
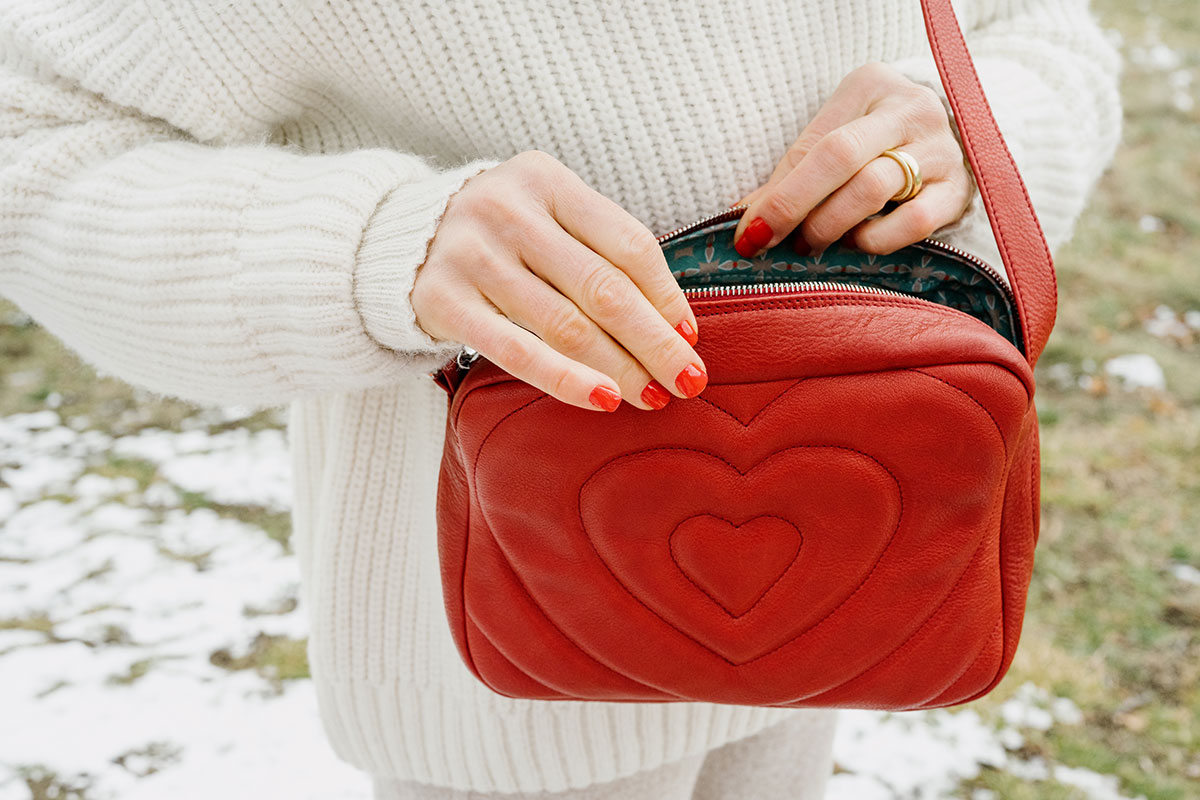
<point x="469" y="617"/>
<point x="896" y="650"/>
<point x="951" y="91"/>
<point x="806" y="631"/>
<point x="565" y="695"/>
<point x="766" y="591"/>
<point x="533" y="601"/>
<point x="1003" y="596"/>
<point x="801" y="634"/>
<point x="807" y="302"/>
<point x="746" y="424"/>
<point x="1035" y="470"/>
<point x="517" y="578"/>
<point x="1003" y="441"/>
<point x="998" y="627"/>
<point x="462" y="584"/>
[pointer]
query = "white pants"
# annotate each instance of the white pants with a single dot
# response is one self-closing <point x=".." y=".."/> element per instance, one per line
<point x="788" y="761"/>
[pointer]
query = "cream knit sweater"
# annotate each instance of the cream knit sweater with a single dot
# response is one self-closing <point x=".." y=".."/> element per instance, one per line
<point x="226" y="202"/>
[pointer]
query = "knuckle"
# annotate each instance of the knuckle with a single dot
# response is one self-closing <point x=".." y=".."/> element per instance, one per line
<point x="872" y="71"/>
<point x="819" y="228"/>
<point x="513" y="353"/>
<point x="490" y="206"/>
<point x="842" y="147"/>
<point x="473" y="249"/>
<point x="925" y="107"/>
<point x="779" y="206"/>
<point x="666" y="353"/>
<point x="922" y="220"/>
<point x="559" y="383"/>
<point x="640" y="246"/>
<point x="928" y="99"/>
<point x="869" y="240"/>
<point x="535" y="159"/>
<point x="865" y="240"/>
<point x="572" y="332"/>
<point x="873" y="185"/>
<point x="604" y="293"/>
<point x="431" y="294"/>
<point x="539" y="171"/>
<point x="486" y="263"/>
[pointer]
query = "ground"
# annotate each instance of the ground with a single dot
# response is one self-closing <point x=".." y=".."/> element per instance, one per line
<point x="150" y="639"/>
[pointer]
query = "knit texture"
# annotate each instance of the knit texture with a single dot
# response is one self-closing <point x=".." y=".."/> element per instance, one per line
<point x="228" y="203"/>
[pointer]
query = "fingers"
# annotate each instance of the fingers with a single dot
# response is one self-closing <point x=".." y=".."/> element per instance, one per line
<point x="533" y="304"/>
<point x="611" y="298"/>
<point x="618" y="237"/>
<point x="874" y="108"/>
<point x="831" y="162"/>
<point x="523" y="355"/>
<point x="937" y="205"/>
<point x="865" y="194"/>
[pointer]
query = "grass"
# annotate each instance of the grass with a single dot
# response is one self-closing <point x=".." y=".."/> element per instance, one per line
<point x="276" y="658"/>
<point x="1107" y="625"/>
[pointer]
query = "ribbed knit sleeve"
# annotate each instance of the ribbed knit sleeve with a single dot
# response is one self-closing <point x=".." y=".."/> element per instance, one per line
<point x="249" y="274"/>
<point x="1052" y="80"/>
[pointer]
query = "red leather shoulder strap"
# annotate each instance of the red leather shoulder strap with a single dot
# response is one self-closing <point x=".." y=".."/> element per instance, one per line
<point x="1018" y="233"/>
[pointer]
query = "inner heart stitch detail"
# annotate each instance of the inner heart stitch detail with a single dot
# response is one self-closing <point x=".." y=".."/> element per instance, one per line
<point x="735" y="565"/>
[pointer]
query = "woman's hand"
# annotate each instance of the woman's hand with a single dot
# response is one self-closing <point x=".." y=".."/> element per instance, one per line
<point x="527" y="247"/>
<point x="834" y="176"/>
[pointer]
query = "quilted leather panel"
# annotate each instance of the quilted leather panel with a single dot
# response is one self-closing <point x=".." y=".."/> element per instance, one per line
<point x="895" y="481"/>
<point x="734" y="564"/>
<point x="846" y="504"/>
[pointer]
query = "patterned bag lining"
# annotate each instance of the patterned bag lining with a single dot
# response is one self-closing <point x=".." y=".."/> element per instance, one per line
<point x="706" y="257"/>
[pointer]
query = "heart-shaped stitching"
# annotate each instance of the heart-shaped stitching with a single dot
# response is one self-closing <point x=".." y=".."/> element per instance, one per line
<point x="848" y="535"/>
<point x="624" y="524"/>
<point x="735" y="565"/>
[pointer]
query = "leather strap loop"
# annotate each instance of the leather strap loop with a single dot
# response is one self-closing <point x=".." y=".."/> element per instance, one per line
<point x="1019" y="235"/>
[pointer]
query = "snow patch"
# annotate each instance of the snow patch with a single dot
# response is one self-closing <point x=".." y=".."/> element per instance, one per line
<point x="1137" y="371"/>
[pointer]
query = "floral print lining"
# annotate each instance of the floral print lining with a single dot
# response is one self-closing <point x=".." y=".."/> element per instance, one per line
<point x="706" y="257"/>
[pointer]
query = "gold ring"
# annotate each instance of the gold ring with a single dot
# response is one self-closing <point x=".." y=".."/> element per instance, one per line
<point x="912" y="175"/>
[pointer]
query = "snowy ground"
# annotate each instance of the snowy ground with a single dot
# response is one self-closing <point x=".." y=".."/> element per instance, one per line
<point x="148" y="641"/>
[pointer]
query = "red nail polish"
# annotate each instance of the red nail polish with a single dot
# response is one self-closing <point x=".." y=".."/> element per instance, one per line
<point x="655" y="395"/>
<point x="605" y="398"/>
<point x="754" y="238"/>
<point x="801" y="246"/>
<point x="691" y="380"/>
<point x="686" y="330"/>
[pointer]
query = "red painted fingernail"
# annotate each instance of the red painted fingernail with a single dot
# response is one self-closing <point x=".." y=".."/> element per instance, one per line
<point x="686" y="330"/>
<point x="655" y="395"/>
<point x="754" y="238"/>
<point x="691" y="380"/>
<point x="605" y="398"/>
<point x="801" y="246"/>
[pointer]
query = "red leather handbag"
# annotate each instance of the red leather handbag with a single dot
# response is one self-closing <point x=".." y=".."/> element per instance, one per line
<point x="845" y="516"/>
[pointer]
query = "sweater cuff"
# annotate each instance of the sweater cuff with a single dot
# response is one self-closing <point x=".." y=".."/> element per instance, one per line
<point x="394" y="246"/>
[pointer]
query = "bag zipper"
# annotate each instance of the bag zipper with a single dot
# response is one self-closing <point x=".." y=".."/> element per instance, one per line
<point x="754" y="288"/>
<point x="786" y="286"/>
<point x="467" y="355"/>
